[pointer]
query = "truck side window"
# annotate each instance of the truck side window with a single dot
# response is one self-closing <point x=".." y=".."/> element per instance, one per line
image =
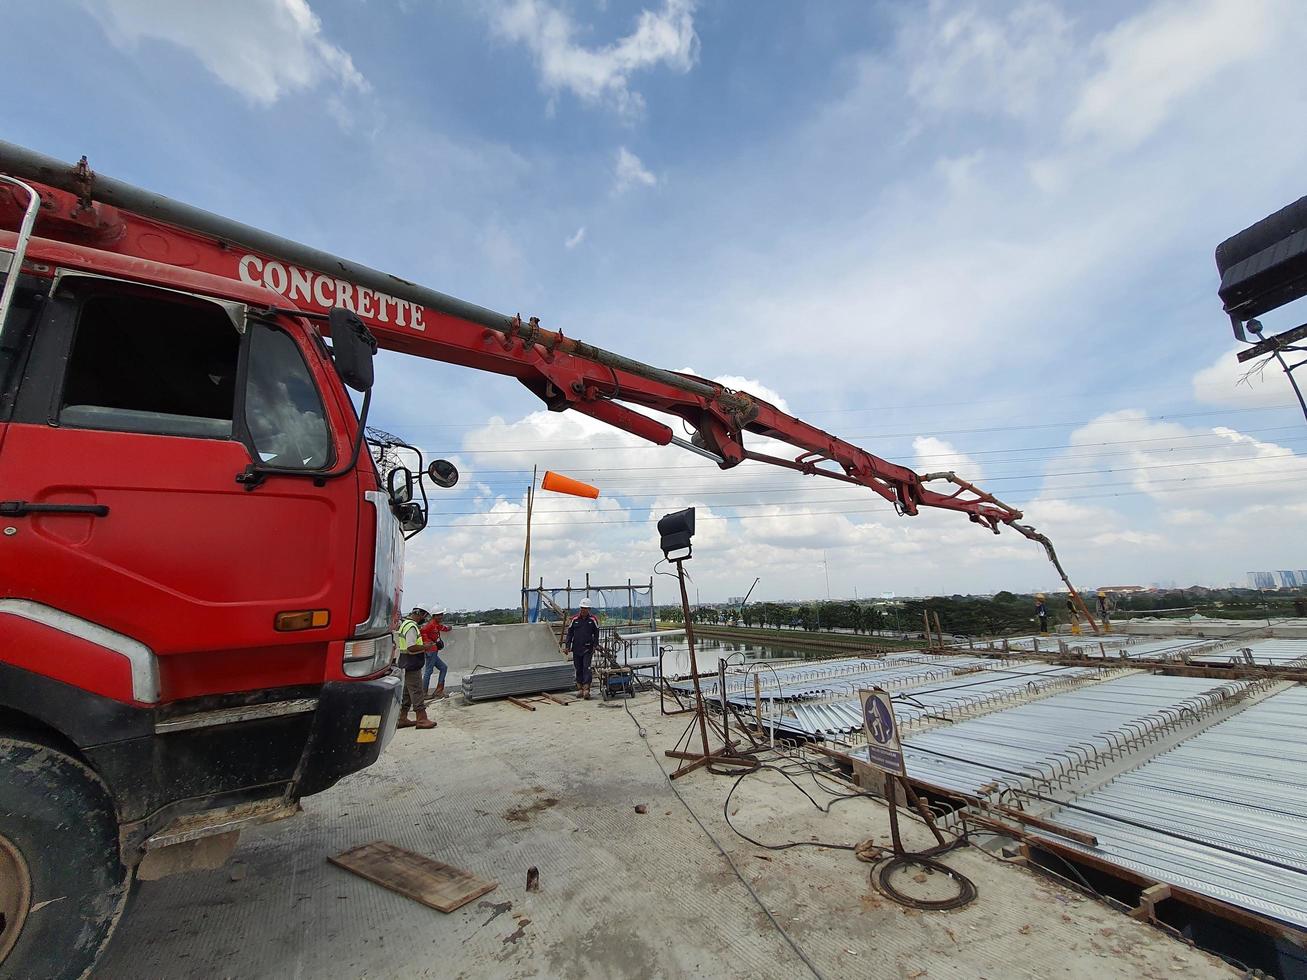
<point x="162" y="366"/>
<point x="283" y="410"/>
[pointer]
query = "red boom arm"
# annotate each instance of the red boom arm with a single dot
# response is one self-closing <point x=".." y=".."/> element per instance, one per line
<point x="80" y="206"/>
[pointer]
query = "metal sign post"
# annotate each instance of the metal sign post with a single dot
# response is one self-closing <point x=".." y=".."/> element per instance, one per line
<point x="885" y="754"/>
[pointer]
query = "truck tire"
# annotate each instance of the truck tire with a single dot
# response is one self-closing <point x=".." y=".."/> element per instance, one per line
<point x="62" y="882"/>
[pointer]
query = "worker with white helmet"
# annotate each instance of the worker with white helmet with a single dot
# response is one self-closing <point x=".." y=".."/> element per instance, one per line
<point x="430" y="632"/>
<point x="412" y="655"/>
<point x="582" y="639"/>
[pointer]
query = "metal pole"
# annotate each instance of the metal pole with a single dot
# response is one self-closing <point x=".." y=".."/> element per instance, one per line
<point x="892" y="800"/>
<point x="1289" y="374"/>
<point x="721" y="688"/>
<point x="694" y="660"/>
<point x="526" y="558"/>
<point x="20" y="247"/>
<point x="757" y="701"/>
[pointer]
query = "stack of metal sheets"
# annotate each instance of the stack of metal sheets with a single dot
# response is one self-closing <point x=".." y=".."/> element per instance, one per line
<point x="484" y="685"/>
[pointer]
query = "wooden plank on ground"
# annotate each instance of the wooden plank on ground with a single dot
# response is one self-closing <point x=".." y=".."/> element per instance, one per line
<point x="438" y="886"/>
<point x="522" y="704"/>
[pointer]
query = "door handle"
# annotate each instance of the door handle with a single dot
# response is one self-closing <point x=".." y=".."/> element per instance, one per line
<point x="21" y="508"/>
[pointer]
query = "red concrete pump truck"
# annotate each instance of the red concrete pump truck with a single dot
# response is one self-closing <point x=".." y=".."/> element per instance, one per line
<point x="199" y="567"/>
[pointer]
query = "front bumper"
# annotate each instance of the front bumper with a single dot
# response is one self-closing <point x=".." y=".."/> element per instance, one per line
<point x="353" y="722"/>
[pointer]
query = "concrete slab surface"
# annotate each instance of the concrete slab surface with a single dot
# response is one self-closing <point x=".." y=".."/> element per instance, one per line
<point x="496" y="789"/>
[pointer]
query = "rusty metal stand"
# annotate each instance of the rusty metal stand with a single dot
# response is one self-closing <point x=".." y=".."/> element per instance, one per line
<point x="695" y="759"/>
<point x="892" y="780"/>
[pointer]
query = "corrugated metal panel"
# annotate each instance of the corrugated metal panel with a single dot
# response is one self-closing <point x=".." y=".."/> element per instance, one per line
<point x="1224" y="813"/>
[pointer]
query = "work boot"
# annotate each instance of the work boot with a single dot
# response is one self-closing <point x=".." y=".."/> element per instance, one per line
<point x="440" y="691"/>
<point x="585" y="691"/>
<point x="404" y="720"/>
<point x="423" y="721"/>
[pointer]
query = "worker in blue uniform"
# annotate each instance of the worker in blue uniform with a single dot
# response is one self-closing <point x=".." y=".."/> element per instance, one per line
<point x="582" y="639"/>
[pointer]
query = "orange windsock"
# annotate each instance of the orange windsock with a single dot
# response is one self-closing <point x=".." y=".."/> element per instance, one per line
<point x="565" y="484"/>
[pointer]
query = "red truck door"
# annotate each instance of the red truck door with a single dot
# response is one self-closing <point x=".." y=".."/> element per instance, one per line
<point x="119" y="504"/>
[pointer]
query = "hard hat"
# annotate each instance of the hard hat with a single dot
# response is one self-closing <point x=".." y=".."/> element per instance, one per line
<point x="1040" y="596"/>
<point x="1101" y="593"/>
<point x="585" y="604"/>
<point x="435" y="610"/>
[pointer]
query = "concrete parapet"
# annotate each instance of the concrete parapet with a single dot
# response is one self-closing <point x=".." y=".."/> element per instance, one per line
<point x="513" y="645"/>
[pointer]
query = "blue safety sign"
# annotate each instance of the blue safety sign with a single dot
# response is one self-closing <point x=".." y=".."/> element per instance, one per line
<point x="884" y="750"/>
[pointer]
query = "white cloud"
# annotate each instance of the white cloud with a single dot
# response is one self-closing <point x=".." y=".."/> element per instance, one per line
<point x="1168" y="53"/>
<point x="1227" y="382"/>
<point x="599" y="74"/>
<point x="630" y="172"/>
<point x="575" y="239"/>
<point x="936" y="456"/>
<point x="264" y="49"/>
<point x="1177" y="465"/>
<point x="964" y="59"/>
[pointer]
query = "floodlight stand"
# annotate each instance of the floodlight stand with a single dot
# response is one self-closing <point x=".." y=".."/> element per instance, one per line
<point x="705" y="756"/>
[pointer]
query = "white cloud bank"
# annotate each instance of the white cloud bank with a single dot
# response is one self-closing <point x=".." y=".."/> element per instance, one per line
<point x="263" y="49"/>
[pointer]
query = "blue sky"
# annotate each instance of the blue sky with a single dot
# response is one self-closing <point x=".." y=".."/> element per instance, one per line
<point x="971" y="235"/>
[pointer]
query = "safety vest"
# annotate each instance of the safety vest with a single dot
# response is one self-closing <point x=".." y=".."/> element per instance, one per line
<point x="402" y="639"/>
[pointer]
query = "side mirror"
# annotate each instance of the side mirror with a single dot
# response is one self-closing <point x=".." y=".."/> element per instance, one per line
<point x="352" y="348"/>
<point x="412" y="518"/>
<point x="443" y="473"/>
<point x="400" y="485"/>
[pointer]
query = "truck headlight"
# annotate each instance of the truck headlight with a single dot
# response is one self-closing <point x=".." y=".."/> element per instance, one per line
<point x="364" y="657"/>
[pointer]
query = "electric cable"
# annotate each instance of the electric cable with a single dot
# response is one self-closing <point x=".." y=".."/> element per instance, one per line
<point x="1221" y="443"/>
<point x="869" y="851"/>
<point x="1072" y="423"/>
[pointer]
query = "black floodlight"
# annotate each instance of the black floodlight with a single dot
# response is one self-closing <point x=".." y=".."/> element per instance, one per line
<point x="1264" y="266"/>
<point x="677" y="529"/>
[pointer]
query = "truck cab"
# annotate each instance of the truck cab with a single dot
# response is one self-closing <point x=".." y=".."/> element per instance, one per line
<point x="199" y="569"/>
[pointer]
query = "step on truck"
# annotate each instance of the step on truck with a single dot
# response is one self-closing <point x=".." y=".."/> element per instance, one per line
<point x="200" y="566"/>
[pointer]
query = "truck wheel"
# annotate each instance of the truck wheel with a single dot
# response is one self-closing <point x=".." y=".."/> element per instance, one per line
<point x="62" y="883"/>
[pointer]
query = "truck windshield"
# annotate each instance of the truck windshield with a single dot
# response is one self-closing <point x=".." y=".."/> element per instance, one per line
<point x="283" y="410"/>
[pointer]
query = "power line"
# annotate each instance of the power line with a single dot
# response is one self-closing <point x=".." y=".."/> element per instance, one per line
<point x="1220" y="443"/>
<point x="843" y="512"/>
<point x="1022" y="398"/>
<point x="1078" y="423"/>
<point x="700" y="490"/>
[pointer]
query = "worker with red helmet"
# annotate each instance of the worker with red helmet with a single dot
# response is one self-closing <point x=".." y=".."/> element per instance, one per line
<point x="582" y="639"/>
<point x="430" y="633"/>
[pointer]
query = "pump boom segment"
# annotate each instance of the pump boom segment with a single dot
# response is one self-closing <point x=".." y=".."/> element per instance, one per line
<point x="108" y="215"/>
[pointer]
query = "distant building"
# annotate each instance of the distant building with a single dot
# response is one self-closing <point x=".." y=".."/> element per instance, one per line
<point x="1122" y="589"/>
<point x="1285" y="578"/>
